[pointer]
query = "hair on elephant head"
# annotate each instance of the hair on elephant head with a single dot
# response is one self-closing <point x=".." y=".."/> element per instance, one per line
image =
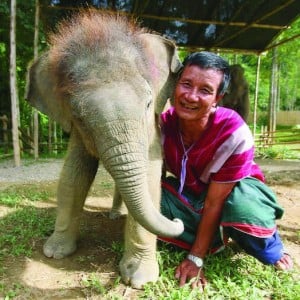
<point x="237" y="96"/>
<point x="105" y="80"/>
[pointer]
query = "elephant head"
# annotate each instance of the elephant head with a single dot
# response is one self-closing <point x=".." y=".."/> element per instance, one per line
<point x="108" y="79"/>
<point x="237" y="97"/>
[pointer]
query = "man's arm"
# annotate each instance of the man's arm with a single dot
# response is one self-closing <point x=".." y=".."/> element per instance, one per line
<point x="212" y="211"/>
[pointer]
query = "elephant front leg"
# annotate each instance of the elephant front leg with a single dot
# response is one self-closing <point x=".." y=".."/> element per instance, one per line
<point x="77" y="175"/>
<point x="138" y="265"/>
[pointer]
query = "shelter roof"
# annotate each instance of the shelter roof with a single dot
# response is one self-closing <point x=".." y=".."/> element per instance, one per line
<point x="235" y="25"/>
<point x="239" y="25"/>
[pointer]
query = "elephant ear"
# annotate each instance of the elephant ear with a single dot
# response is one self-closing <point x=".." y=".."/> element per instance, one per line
<point x="40" y="92"/>
<point x="163" y="64"/>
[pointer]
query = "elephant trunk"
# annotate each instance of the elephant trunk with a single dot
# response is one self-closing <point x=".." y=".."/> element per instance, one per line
<point x="127" y="163"/>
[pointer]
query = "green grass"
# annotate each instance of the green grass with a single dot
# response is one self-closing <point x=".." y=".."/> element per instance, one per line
<point x="21" y="228"/>
<point x="24" y="223"/>
<point x="277" y="152"/>
<point x="13" y="197"/>
<point x="231" y="274"/>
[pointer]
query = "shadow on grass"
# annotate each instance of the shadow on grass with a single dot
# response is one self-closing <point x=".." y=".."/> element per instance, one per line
<point x="25" y="272"/>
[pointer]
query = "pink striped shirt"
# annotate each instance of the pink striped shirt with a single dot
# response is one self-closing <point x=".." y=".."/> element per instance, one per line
<point x="224" y="153"/>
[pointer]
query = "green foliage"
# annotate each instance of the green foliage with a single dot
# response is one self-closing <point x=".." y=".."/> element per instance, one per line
<point x="24" y="52"/>
<point x="262" y="119"/>
<point x="290" y="69"/>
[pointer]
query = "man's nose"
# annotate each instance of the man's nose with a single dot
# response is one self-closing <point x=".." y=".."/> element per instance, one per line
<point x="193" y="95"/>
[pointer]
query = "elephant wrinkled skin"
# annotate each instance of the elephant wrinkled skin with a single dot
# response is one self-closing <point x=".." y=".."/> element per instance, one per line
<point x="105" y="80"/>
<point x="237" y="97"/>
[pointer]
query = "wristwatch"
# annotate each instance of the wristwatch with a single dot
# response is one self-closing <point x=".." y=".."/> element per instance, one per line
<point x="198" y="261"/>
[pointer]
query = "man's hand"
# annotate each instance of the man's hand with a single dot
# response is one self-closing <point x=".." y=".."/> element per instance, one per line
<point x="187" y="271"/>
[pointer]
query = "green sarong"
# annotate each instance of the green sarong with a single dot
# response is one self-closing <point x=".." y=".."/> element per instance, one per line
<point x="251" y="208"/>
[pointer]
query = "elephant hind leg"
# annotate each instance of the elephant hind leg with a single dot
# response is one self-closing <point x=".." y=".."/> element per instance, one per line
<point x="77" y="175"/>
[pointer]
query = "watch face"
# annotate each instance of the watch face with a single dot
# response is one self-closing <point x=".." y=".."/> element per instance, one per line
<point x="196" y="260"/>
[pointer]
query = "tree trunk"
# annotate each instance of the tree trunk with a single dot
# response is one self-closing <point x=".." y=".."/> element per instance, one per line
<point x="15" y="110"/>
<point x="5" y="121"/>
<point x="50" y="146"/>
<point x="35" y="112"/>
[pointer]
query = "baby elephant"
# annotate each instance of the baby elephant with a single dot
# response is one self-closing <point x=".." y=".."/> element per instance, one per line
<point x="105" y="80"/>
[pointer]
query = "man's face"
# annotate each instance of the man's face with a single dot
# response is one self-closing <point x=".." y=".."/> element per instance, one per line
<point x="196" y="92"/>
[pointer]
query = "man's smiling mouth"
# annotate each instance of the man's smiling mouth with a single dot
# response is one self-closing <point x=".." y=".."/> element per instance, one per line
<point x="190" y="107"/>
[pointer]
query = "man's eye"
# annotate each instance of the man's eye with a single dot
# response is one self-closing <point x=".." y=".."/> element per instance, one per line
<point x="206" y="91"/>
<point x="186" y="84"/>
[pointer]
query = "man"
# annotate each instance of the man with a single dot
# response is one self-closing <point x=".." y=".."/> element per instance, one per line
<point x="215" y="188"/>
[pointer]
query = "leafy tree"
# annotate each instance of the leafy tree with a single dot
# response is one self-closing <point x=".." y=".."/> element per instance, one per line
<point x="24" y="38"/>
<point x="290" y="69"/>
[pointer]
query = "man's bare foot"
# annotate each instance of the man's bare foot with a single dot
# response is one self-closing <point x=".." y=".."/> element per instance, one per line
<point x="285" y="263"/>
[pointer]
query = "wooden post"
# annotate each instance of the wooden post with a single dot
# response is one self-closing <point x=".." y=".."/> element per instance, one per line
<point x="55" y="137"/>
<point x="256" y="95"/>
<point x="50" y="146"/>
<point x="273" y="95"/>
<point x="35" y="112"/>
<point x="15" y="111"/>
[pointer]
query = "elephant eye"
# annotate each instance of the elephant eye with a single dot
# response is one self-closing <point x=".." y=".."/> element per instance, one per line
<point x="149" y="97"/>
<point x="148" y="104"/>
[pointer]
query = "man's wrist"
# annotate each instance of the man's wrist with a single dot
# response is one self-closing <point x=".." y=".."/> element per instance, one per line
<point x="198" y="261"/>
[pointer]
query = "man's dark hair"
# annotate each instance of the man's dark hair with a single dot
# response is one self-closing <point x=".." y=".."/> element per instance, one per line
<point x="209" y="60"/>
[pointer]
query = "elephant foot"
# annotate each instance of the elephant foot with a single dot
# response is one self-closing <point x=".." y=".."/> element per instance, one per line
<point x="137" y="272"/>
<point x="59" y="245"/>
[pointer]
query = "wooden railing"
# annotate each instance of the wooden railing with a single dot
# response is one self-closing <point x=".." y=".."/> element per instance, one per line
<point x="266" y="139"/>
<point x="26" y="141"/>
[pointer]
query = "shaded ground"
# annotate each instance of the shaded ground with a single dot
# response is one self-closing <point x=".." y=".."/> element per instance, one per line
<point x="72" y="277"/>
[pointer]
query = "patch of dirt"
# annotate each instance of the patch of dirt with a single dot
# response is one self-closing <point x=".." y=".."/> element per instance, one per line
<point x="39" y="277"/>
